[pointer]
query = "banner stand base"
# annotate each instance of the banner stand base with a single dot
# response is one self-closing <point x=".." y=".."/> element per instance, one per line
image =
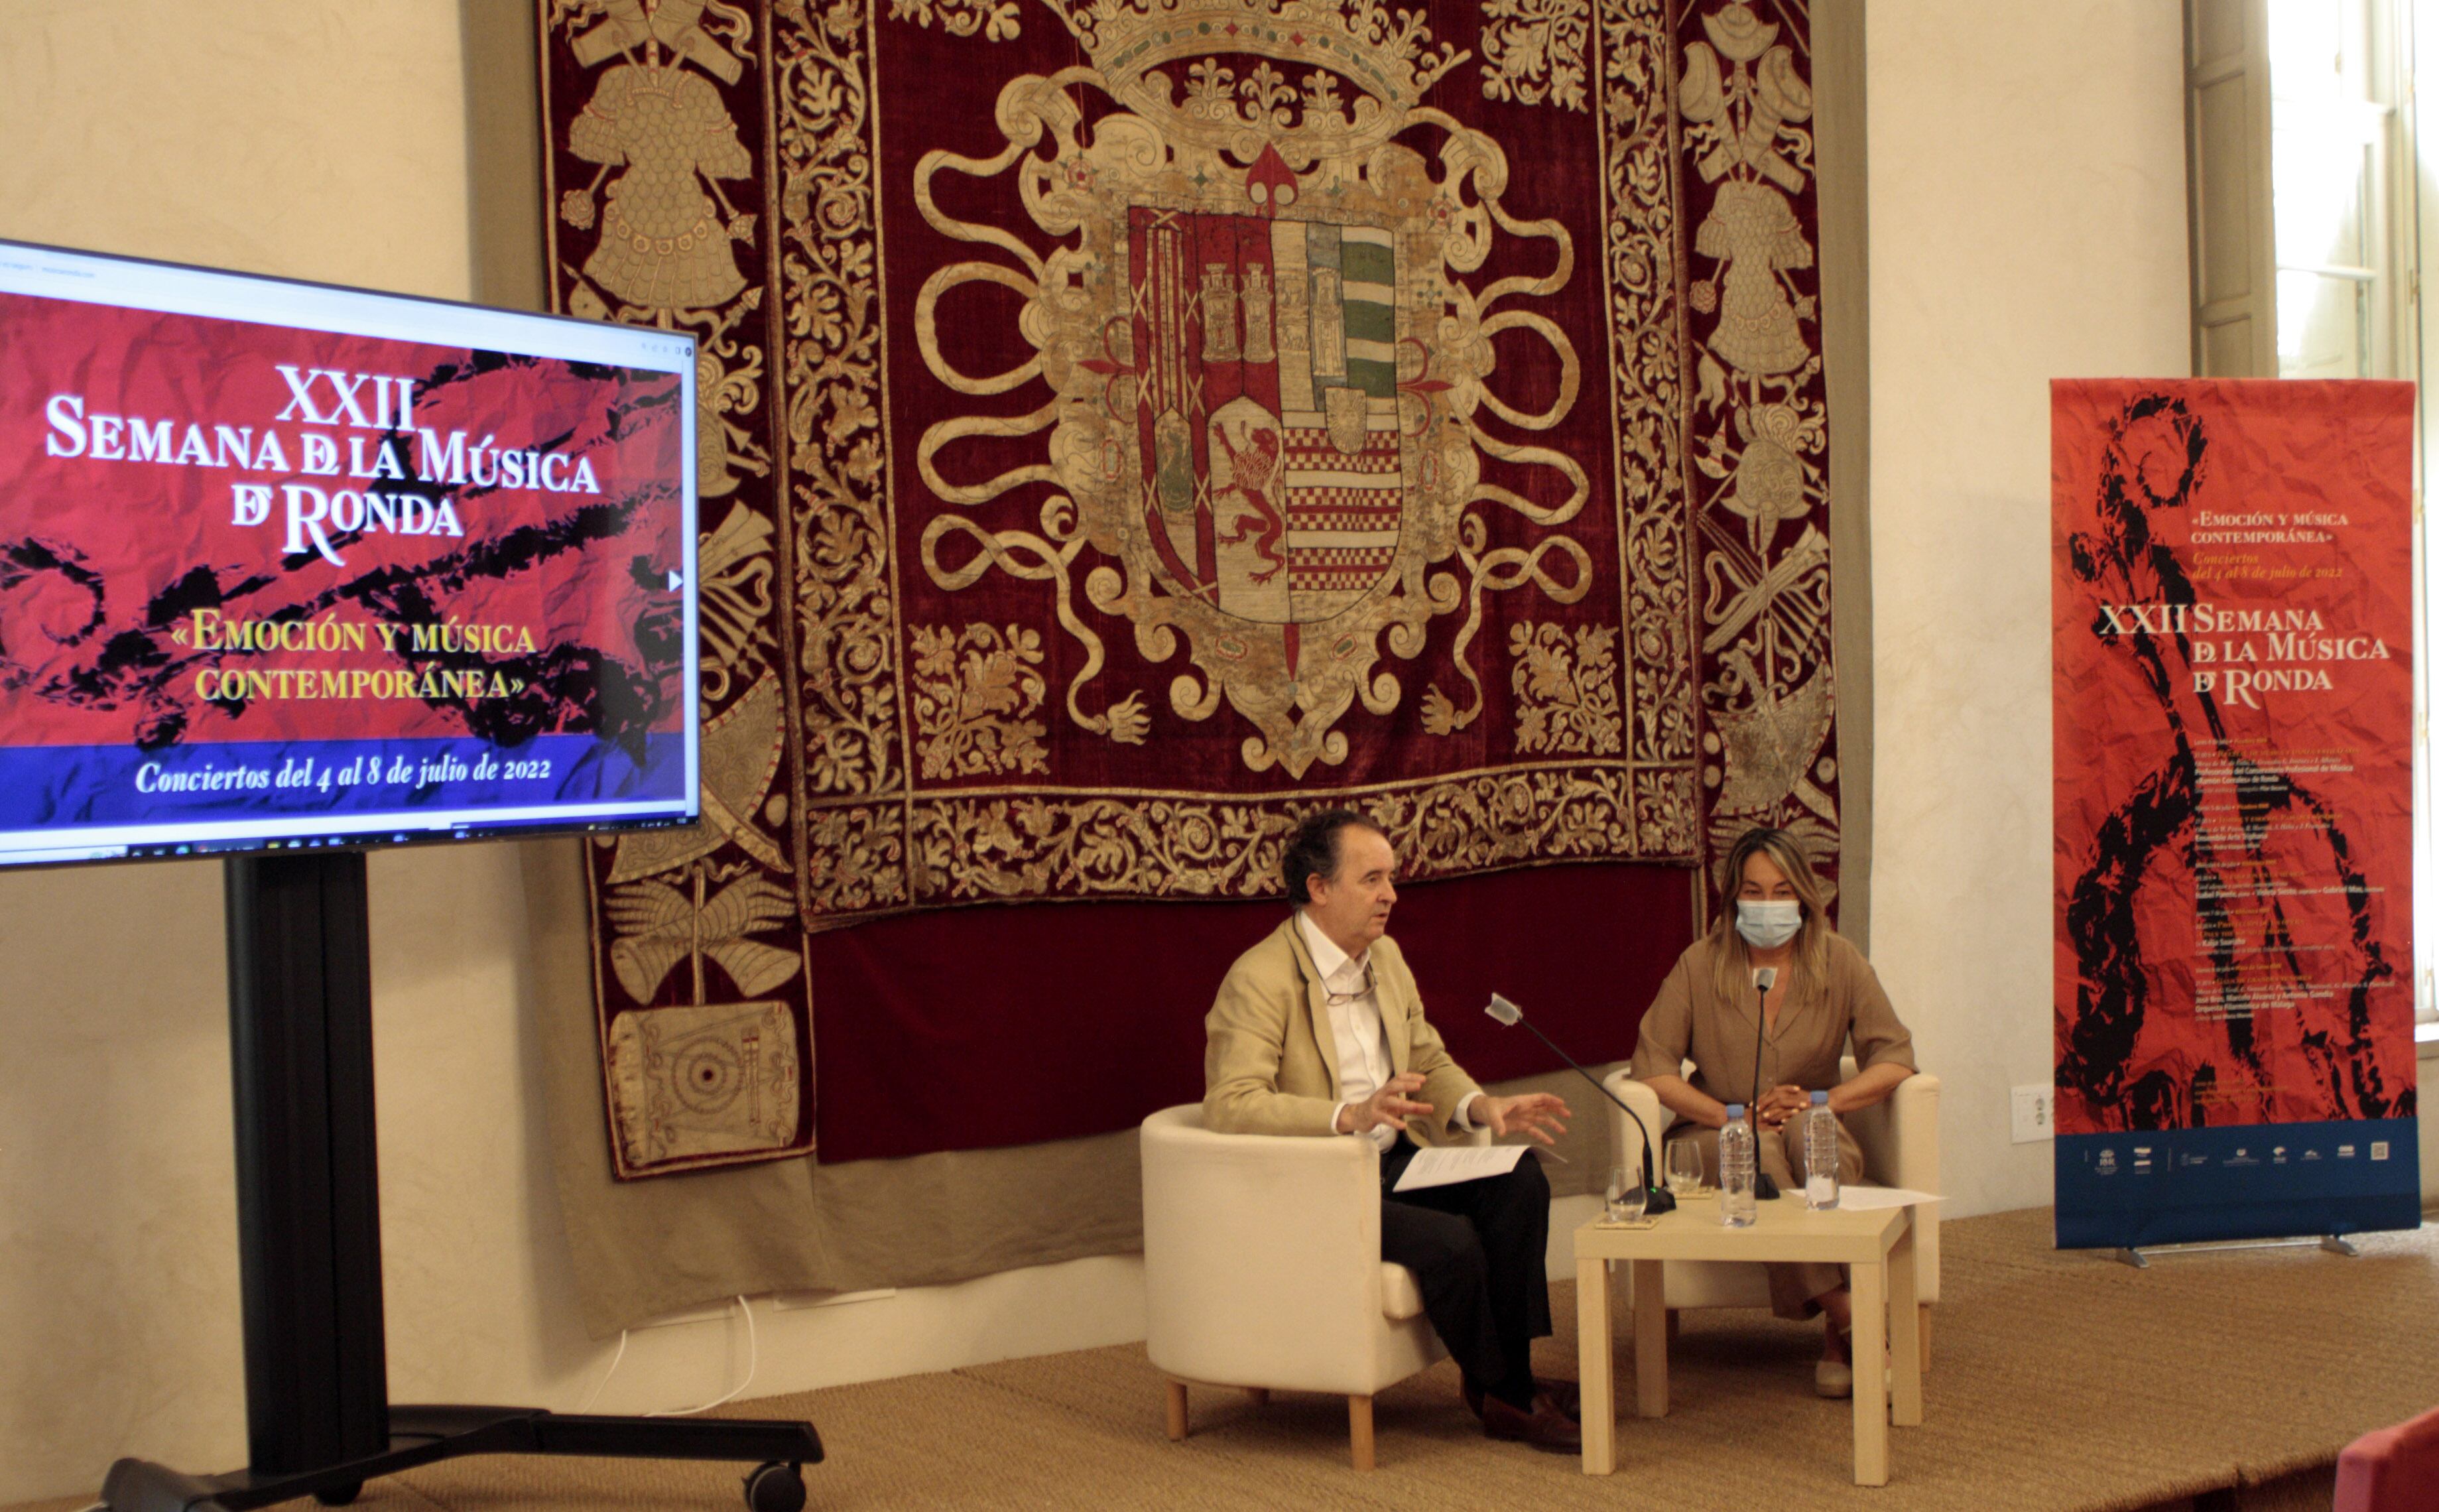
<point x="2140" y="1259"/>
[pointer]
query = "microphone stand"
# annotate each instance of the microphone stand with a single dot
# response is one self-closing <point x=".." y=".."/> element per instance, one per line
<point x="1765" y="1188"/>
<point x="1655" y="1198"/>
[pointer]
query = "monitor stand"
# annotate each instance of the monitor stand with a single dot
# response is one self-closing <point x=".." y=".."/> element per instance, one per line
<point x="318" y="1418"/>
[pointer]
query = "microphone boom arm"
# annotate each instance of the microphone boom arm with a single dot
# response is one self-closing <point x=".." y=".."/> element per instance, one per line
<point x="1656" y="1199"/>
<point x="1765" y="1185"/>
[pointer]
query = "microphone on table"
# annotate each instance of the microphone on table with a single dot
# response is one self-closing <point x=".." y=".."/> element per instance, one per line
<point x="1656" y="1199"/>
<point x="1764" y="1189"/>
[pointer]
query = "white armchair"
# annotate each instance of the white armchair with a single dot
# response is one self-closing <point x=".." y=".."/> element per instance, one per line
<point x="1900" y="1139"/>
<point x="1262" y="1270"/>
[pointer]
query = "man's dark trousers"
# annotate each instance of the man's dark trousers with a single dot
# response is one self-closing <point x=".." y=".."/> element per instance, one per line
<point x="1476" y="1249"/>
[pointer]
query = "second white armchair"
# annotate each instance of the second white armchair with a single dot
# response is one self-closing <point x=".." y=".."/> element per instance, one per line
<point x="1900" y="1139"/>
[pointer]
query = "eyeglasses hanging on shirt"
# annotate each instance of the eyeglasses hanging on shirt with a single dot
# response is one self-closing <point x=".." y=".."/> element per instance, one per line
<point x="1336" y="997"/>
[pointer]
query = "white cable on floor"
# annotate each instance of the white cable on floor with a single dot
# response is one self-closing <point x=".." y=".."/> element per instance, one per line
<point x="753" y="1364"/>
<point x="595" y="1394"/>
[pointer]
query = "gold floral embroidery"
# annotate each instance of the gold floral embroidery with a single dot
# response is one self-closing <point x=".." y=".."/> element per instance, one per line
<point x="831" y="357"/>
<point x="984" y="848"/>
<point x="995" y="19"/>
<point x="1533" y="50"/>
<point x="969" y="694"/>
<point x="1664" y="810"/>
<point x="1644" y="334"/>
<point x="1566" y="688"/>
<point x="855" y="861"/>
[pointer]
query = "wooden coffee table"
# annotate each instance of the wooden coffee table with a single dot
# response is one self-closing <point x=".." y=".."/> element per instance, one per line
<point x="1877" y="1244"/>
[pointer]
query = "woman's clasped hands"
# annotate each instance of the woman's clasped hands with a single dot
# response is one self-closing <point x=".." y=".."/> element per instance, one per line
<point x="1781" y="1103"/>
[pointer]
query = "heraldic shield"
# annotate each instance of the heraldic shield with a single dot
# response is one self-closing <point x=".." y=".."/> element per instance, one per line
<point x="1267" y="417"/>
<point x="1269" y="373"/>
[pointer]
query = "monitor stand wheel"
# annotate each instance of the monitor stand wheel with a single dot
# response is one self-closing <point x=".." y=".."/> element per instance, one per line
<point x="775" y="1488"/>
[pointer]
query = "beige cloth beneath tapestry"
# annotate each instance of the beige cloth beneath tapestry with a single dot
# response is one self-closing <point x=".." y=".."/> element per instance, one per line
<point x="644" y="1248"/>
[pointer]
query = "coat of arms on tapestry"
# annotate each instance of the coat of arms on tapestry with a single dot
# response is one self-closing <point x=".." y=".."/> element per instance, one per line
<point x="1128" y="425"/>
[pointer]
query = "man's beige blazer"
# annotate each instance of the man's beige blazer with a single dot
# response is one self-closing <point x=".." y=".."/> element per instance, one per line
<point x="1269" y="1063"/>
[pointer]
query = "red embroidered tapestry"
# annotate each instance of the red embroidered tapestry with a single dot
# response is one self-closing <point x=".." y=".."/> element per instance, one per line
<point x="1130" y="424"/>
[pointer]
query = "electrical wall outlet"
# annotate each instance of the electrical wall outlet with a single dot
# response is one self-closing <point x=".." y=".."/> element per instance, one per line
<point x="2033" y="1110"/>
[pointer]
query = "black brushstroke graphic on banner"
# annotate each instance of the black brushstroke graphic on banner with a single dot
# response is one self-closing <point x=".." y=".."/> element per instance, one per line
<point x="2156" y="827"/>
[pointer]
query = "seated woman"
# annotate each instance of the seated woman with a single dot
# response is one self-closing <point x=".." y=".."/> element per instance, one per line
<point x="1825" y="994"/>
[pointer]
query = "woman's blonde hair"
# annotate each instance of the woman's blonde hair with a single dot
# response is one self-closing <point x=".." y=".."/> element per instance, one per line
<point x="1731" y="961"/>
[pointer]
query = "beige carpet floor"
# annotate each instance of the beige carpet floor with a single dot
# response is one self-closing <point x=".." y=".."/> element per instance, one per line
<point x="2060" y="1384"/>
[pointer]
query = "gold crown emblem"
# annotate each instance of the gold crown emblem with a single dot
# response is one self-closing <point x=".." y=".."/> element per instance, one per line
<point x="1386" y="53"/>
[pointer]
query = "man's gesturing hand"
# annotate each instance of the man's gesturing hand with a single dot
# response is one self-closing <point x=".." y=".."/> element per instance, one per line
<point x="1389" y="1105"/>
<point x="1541" y="1114"/>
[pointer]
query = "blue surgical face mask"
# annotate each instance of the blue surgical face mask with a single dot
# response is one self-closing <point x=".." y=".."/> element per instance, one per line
<point x="1767" y="926"/>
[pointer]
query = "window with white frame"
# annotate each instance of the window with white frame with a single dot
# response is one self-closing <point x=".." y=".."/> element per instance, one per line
<point x="2336" y="231"/>
<point x="2311" y="182"/>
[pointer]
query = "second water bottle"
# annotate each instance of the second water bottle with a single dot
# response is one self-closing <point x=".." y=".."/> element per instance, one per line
<point x="1820" y="1153"/>
<point x="1736" y="1167"/>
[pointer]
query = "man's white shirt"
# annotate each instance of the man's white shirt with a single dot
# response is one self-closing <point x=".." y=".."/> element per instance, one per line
<point x="1355" y="1026"/>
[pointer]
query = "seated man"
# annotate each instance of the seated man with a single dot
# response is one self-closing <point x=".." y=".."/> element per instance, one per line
<point x="1318" y="1030"/>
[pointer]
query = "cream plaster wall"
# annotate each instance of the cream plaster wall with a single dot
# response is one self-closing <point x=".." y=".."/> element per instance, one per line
<point x="320" y="139"/>
<point x="2027" y="222"/>
<point x="321" y="142"/>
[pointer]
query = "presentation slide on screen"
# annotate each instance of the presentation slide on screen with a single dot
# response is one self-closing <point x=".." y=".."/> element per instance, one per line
<point x="282" y="560"/>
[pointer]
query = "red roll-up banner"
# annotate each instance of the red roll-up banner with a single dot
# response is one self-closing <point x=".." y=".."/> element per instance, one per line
<point x="2232" y="728"/>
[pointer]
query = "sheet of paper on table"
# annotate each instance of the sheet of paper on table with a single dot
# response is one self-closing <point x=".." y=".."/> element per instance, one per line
<point x="1445" y="1165"/>
<point x="1869" y="1199"/>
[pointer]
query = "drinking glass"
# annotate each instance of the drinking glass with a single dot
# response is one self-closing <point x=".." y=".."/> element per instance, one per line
<point x="1626" y="1195"/>
<point x="1684" y="1168"/>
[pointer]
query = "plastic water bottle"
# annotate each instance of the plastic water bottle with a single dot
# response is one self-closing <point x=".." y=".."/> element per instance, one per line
<point x="1736" y="1167"/>
<point x="1820" y="1154"/>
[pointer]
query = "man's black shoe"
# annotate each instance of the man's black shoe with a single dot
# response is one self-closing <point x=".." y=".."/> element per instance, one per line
<point x="1544" y="1427"/>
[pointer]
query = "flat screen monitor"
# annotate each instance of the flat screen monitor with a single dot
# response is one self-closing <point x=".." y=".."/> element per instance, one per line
<point x="285" y="566"/>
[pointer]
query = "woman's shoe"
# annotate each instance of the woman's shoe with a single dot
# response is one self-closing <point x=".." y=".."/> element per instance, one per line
<point x="1835" y="1377"/>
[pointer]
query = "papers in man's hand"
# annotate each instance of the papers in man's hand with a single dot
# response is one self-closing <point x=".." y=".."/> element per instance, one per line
<point x="1448" y="1164"/>
<point x="1868" y="1199"/>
